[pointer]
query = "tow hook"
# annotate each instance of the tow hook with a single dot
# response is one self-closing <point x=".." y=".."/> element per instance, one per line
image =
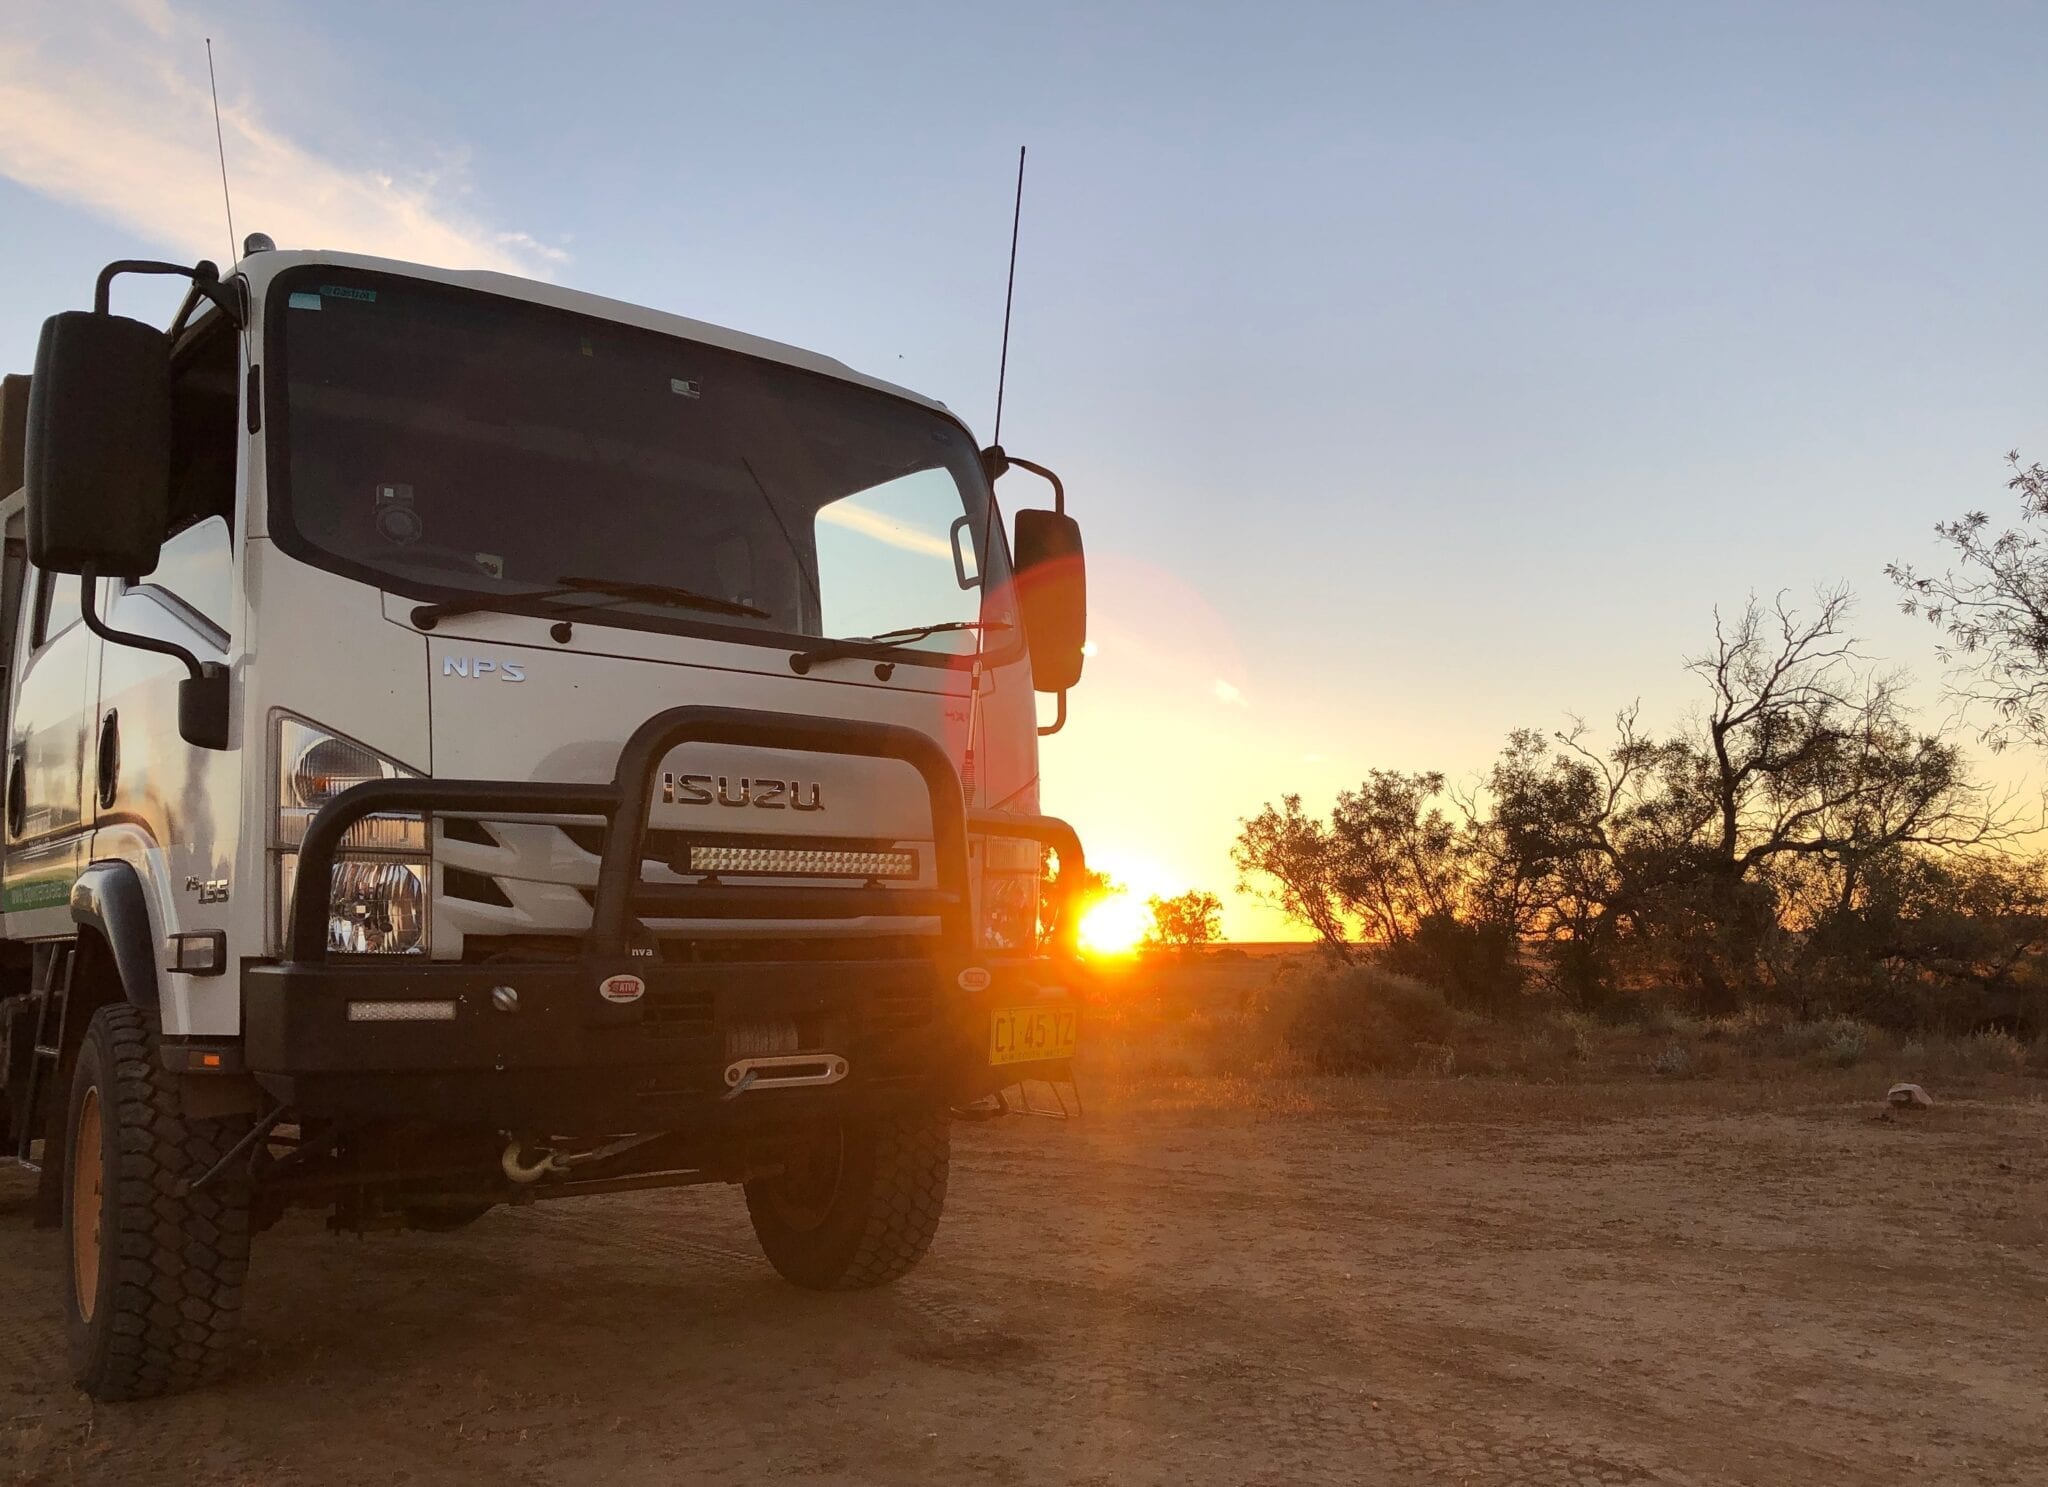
<point x="522" y="1173"/>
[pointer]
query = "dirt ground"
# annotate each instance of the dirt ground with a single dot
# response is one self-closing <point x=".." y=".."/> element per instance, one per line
<point x="1383" y="1282"/>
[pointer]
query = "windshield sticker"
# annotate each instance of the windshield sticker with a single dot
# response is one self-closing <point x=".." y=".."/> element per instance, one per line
<point x="301" y="300"/>
<point x="685" y="387"/>
<point x="343" y="291"/>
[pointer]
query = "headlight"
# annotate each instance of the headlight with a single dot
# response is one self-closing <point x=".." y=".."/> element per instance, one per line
<point x="314" y="766"/>
<point x="1009" y="894"/>
<point x="377" y="901"/>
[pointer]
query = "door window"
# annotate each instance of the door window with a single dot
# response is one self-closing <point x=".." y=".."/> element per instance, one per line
<point x="56" y="605"/>
<point x="192" y="567"/>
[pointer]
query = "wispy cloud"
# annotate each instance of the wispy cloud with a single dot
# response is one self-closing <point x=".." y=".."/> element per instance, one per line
<point x="884" y="529"/>
<point x="110" y="111"/>
<point x="1228" y="695"/>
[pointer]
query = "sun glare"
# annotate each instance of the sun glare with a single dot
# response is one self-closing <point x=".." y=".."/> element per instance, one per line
<point x="1113" y="925"/>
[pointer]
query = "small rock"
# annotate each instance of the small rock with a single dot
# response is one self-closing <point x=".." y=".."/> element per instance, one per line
<point x="1908" y="1094"/>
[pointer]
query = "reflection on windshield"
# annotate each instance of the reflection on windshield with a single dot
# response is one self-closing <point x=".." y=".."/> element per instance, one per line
<point x="448" y="444"/>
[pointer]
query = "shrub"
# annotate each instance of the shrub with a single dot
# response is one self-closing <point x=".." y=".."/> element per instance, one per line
<point x="1357" y="1019"/>
<point x="1477" y="965"/>
<point x="1995" y="1049"/>
<point x="1822" y="1037"/>
<point x="1675" y="1060"/>
<point x="1664" y="1022"/>
<point x="1845" y="1049"/>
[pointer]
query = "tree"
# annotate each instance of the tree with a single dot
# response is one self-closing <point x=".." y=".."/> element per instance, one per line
<point x="1185" y="921"/>
<point x="1290" y="859"/>
<point x="1993" y="614"/>
<point x="1800" y="775"/>
<point x="1400" y="859"/>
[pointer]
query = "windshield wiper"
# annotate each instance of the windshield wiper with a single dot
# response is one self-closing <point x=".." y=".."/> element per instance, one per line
<point x="426" y="615"/>
<point x="882" y="644"/>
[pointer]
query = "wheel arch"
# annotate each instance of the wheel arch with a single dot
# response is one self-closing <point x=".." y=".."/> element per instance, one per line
<point x="108" y="904"/>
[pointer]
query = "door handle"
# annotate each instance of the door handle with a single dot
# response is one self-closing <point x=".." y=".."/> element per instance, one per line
<point x="110" y="760"/>
<point x="17" y="792"/>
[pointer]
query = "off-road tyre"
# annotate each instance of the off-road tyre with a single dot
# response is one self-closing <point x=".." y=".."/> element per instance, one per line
<point x="164" y="1266"/>
<point x="863" y="1219"/>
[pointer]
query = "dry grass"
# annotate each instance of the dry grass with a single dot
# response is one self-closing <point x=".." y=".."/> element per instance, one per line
<point x="1236" y="1034"/>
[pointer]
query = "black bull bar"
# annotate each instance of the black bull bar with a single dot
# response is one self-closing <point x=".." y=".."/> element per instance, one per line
<point x="621" y="897"/>
<point x="565" y="1052"/>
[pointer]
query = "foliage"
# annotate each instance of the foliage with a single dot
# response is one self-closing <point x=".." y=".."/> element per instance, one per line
<point x="1798" y="839"/>
<point x="1185" y="921"/>
<point x="1350" y="1019"/>
<point x="1993" y="614"/>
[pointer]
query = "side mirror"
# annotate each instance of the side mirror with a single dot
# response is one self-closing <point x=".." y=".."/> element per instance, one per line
<point x="1052" y="594"/>
<point x="98" y="458"/>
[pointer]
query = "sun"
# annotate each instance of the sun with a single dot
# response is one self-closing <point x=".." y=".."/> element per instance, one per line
<point x="1113" y="925"/>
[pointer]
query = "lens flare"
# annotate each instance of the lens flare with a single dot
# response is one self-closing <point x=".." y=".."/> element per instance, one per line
<point x="1113" y="925"/>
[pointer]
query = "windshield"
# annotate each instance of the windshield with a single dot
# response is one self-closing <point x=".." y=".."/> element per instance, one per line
<point x="446" y="444"/>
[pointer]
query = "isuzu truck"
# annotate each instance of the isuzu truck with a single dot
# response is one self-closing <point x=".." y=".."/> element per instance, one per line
<point x="471" y="742"/>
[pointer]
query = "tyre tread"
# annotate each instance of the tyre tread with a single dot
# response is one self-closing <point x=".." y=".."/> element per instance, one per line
<point x="179" y="1257"/>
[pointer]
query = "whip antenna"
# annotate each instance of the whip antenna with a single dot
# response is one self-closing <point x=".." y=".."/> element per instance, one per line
<point x="1009" y="296"/>
<point x="220" y="145"/>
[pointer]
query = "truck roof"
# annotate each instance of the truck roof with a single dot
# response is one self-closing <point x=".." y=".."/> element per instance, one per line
<point x="261" y="268"/>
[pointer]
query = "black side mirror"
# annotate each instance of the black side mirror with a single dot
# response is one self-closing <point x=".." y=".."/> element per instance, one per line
<point x="98" y="459"/>
<point x="1052" y="594"/>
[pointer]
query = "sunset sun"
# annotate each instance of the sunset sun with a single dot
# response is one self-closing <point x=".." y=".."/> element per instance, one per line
<point x="1113" y="925"/>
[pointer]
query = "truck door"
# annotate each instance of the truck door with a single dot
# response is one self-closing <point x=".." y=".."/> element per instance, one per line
<point x="165" y="806"/>
<point x="57" y="676"/>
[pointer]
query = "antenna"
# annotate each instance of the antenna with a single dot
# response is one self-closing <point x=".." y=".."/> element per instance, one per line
<point x="220" y="145"/>
<point x="1009" y="296"/>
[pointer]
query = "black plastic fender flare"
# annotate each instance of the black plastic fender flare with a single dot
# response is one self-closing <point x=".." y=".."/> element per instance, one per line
<point x="108" y="897"/>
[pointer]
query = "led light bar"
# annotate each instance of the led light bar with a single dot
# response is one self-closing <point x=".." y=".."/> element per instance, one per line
<point x="803" y="862"/>
<point x="401" y="1011"/>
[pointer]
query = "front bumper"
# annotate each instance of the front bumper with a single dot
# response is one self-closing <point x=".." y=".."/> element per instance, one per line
<point x="561" y="1057"/>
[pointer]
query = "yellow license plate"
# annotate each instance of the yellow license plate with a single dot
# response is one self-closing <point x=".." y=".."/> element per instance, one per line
<point x="1018" y="1035"/>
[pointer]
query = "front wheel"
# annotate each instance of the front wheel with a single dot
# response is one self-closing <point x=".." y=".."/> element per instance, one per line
<point x="155" y="1283"/>
<point x="858" y="1204"/>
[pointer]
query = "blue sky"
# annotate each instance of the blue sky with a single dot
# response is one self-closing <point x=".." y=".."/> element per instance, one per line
<point x="1419" y="371"/>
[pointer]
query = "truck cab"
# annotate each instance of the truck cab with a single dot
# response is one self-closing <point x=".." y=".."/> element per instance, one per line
<point x="473" y="742"/>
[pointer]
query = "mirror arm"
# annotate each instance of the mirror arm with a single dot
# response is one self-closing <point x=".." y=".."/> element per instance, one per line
<point x="202" y="696"/>
<point x="1059" y="719"/>
<point x="88" y="604"/>
<point x="996" y="461"/>
<point x="205" y="277"/>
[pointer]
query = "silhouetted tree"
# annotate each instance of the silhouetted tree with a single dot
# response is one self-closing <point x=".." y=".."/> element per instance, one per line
<point x="1291" y="860"/>
<point x="1186" y="921"/>
<point x="1801" y="775"/>
<point x="1993" y="613"/>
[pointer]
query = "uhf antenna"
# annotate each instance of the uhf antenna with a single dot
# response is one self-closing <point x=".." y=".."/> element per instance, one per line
<point x="220" y="145"/>
<point x="1009" y="297"/>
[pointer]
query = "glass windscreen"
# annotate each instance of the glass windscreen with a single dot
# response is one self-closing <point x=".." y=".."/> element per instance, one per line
<point x="447" y="444"/>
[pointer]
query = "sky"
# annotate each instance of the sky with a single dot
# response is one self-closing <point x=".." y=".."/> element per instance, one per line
<point x="1417" y="371"/>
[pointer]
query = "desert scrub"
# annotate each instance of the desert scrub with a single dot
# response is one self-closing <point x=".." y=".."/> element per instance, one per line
<point x="1673" y="1060"/>
<point x="1846" y="1048"/>
<point x="1668" y="1022"/>
<point x="1835" y="1041"/>
<point x="1995" y="1050"/>
<point x="1362" y="1019"/>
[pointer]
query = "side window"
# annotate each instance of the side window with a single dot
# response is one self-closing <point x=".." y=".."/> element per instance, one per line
<point x="193" y="569"/>
<point x="56" y="605"/>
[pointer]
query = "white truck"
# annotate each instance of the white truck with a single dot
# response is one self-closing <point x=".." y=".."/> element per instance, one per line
<point x="473" y="742"/>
